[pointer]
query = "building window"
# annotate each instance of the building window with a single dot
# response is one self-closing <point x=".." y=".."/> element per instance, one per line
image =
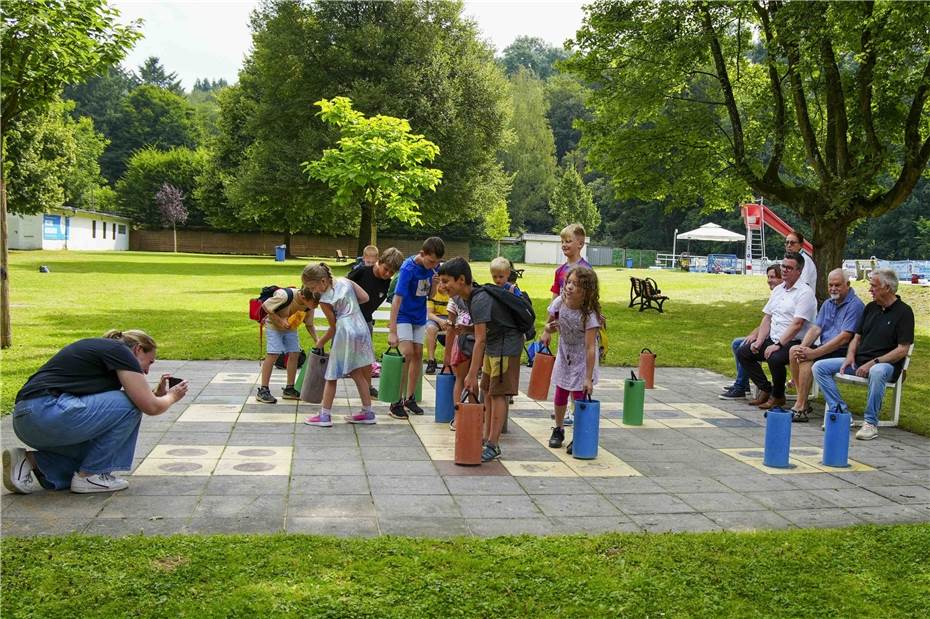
<point x="122" y="228"/>
<point x="93" y="229"/>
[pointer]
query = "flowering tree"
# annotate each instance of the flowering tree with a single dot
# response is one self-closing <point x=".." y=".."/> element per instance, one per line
<point x="170" y="202"/>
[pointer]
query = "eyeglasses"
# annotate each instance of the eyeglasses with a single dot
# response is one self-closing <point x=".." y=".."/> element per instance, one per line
<point x="787" y="268"/>
<point x="787" y="242"/>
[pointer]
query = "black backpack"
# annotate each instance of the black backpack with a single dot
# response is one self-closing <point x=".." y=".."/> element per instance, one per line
<point x="520" y="309"/>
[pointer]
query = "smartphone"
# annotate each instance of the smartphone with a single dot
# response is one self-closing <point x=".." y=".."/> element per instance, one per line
<point x="172" y="381"/>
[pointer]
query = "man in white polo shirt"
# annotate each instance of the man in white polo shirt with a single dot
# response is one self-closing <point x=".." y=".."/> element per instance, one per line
<point x="791" y="310"/>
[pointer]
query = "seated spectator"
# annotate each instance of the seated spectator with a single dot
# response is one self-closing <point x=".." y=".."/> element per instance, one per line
<point x="437" y="319"/>
<point x="835" y="326"/>
<point x="788" y="315"/>
<point x="740" y="387"/>
<point x="877" y="350"/>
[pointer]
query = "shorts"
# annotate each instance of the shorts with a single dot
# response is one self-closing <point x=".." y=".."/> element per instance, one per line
<point x="501" y="375"/>
<point x="279" y="342"/>
<point x="435" y="324"/>
<point x="407" y="332"/>
<point x="561" y="396"/>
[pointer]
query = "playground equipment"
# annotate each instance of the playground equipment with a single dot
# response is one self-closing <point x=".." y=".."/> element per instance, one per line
<point x="757" y="217"/>
<point x="541" y="374"/>
<point x="634" y="399"/>
<point x="778" y="438"/>
<point x="647" y="367"/>
<point x="468" y="425"/>
<point x="836" y="439"/>
<point x="587" y="428"/>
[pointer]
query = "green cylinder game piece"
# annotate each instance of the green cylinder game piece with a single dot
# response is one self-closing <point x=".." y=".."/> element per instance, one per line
<point x="634" y="396"/>
<point x="392" y="364"/>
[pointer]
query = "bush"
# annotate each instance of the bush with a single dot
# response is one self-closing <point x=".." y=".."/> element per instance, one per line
<point x="148" y="169"/>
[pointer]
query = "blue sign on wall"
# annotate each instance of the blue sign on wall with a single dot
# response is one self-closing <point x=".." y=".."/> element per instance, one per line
<point x="55" y="228"/>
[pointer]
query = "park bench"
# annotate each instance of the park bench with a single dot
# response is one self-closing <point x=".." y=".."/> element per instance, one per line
<point x="340" y="257"/>
<point x="851" y="379"/>
<point x="646" y="293"/>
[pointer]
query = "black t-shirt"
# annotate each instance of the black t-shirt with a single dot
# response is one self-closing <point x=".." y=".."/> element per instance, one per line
<point x="882" y="330"/>
<point x="376" y="288"/>
<point x="82" y="368"/>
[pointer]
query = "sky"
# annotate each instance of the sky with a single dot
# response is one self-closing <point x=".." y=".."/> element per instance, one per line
<point x="210" y="38"/>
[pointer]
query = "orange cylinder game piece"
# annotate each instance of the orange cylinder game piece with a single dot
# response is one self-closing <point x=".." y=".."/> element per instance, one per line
<point x="647" y="367"/>
<point x="469" y="419"/>
<point x="541" y="375"/>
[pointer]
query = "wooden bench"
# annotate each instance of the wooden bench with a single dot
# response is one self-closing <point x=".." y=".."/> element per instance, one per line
<point x="646" y="293"/>
<point x="340" y="257"/>
<point x="851" y="379"/>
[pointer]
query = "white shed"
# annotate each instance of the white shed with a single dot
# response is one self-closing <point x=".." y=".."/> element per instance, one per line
<point x="545" y="249"/>
<point x="69" y="228"/>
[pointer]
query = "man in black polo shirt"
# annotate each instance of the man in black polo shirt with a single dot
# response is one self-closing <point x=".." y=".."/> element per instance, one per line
<point x="877" y="351"/>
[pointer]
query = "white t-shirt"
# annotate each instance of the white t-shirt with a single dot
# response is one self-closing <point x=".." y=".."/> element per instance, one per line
<point x="809" y="274"/>
<point x="786" y="304"/>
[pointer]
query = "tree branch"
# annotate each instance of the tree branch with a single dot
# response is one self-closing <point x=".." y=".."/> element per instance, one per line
<point x="778" y="149"/>
<point x="864" y="83"/>
<point x="912" y="126"/>
<point x="837" y="122"/>
<point x="690" y="100"/>
<point x="801" y="112"/>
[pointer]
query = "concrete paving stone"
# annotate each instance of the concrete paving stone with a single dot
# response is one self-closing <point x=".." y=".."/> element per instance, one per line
<point x="338" y="527"/>
<point x="317" y="437"/>
<point x="330" y="506"/>
<point x="218" y="399"/>
<point x="555" y="485"/>
<point x="343" y="484"/>
<point x="483" y="485"/>
<point x="423" y="527"/>
<point x="235" y="526"/>
<point x="820" y="517"/>
<point x="734" y="423"/>
<point x="34" y="527"/>
<point x="652" y="455"/>
<point x="917" y="476"/>
<point x="872" y="479"/>
<point x="202" y="427"/>
<point x="319" y="452"/>
<point x="123" y="527"/>
<point x="575" y="505"/>
<point x="56" y="504"/>
<point x="378" y="452"/>
<point x="749" y="520"/>
<point x="258" y="429"/>
<point x="665" y="469"/>
<point x="243" y="485"/>
<point x="536" y="453"/>
<point x="905" y="494"/>
<point x="594" y="525"/>
<point x="407" y="484"/>
<point x="179" y="437"/>
<point x="690" y="484"/>
<point x="851" y="497"/>
<point x="624" y="485"/>
<point x="395" y="505"/>
<point x="448" y="468"/>
<point x="817" y="481"/>
<point x="649" y="503"/>
<point x="496" y="527"/>
<point x="755" y="481"/>
<point x="780" y="500"/>
<point x="662" y="523"/>
<point x="719" y="501"/>
<point x="481" y="506"/>
<point x="165" y="486"/>
<point x="264" y="506"/>
<point x="327" y="467"/>
<point x="376" y="468"/>
<point x="149" y="507"/>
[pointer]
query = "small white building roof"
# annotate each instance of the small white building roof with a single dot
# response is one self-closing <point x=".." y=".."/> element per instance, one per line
<point x="72" y="211"/>
<point x="546" y="238"/>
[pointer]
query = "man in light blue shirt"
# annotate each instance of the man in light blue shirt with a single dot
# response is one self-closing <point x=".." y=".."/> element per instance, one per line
<point x="835" y="326"/>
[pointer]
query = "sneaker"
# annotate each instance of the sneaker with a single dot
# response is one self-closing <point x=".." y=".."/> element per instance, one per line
<point x="375" y="369"/>
<point x="490" y="452"/>
<point x="733" y="393"/>
<point x="323" y="420"/>
<point x="290" y="394"/>
<point x="569" y="420"/>
<point x="557" y="438"/>
<point x="101" y="482"/>
<point x="568" y="448"/>
<point x="867" y="432"/>
<point x="397" y="410"/>
<point x="452" y="425"/>
<point x="372" y="391"/>
<point x="412" y="406"/>
<point x="17" y="471"/>
<point x="431" y="366"/>
<point x="362" y="417"/>
<point x="735" y="386"/>
<point x="264" y="396"/>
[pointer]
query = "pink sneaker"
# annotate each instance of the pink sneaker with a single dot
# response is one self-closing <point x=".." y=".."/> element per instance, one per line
<point x="375" y="370"/>
<point x="362" y="417"/>
<point x="322" y="421"/>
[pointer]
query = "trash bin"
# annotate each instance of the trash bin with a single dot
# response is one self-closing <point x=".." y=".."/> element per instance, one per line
<point x="629" y="263"/>
<point x="279" y="253"/>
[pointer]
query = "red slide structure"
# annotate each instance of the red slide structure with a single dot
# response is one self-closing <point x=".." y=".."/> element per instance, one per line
<point x="758" y="215"/>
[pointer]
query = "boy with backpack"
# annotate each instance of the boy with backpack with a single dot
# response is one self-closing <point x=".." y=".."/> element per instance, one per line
<point x="284" y="310"/>
<point x="501" y="320"/>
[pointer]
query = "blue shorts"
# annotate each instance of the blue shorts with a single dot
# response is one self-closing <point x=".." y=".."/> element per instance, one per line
<point x="279" y="342"/>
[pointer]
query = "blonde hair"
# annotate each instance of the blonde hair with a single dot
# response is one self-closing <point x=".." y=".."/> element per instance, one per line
<point x="132" y="338"/>
<point x="370" y="250"/>
<point x="316" y="273"/>
<point x="392" y="259"/>
<point x="572" y="232"/>
<point x="500" y="265"/>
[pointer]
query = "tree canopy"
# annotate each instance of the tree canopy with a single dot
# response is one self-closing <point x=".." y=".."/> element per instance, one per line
<point x="533" y="54"/>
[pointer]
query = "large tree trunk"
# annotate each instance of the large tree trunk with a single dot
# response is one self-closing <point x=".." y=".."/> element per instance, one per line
<point x="829" y="245"/>
<point x="6" y="329"/>
<point x="367" y="228"/>
<point x="287" y="245"/>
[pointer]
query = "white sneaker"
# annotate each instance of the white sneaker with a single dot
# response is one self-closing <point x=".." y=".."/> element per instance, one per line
<point x="101" y="482"/>
<point x="867" y="432"/>
<point x="17" y="471"/>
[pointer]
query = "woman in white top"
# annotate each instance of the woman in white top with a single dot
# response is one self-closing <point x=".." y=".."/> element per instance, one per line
<point x="794" y="241"/>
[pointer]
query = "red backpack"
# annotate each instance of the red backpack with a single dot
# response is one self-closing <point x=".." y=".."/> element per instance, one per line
<point x="256" y="306"/>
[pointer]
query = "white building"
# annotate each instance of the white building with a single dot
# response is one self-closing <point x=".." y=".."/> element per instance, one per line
<point x="545" y="249"/>
<point x="68" y="228"/>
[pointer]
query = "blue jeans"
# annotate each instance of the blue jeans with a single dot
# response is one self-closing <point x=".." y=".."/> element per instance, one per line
<point x="742" y="379"/>
<point x="91" y="433"/>
<point x="879" y="375"/>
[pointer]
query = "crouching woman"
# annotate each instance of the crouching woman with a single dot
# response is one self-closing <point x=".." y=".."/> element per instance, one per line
<point x="81" y="412"/>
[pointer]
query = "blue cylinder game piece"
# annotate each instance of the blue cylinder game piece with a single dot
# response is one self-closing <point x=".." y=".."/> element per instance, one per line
<point x="445" y="406"/>
<point x="777" y="438"/>
<point x="587" y="429"/>
<point x="836" y="439"/>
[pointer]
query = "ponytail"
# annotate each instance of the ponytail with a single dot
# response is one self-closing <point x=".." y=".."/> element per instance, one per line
<point x="132" y="338"/>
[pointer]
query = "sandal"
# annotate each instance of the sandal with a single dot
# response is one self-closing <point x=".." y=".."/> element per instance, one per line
<point x="801" y="416"/>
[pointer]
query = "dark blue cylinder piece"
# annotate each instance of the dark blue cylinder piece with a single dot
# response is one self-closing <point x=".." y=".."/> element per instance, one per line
<point x="836" y="439"/>
<point x="586" y="430"/>
<point x="777" y="438"/>
<point x="445" y="407"/>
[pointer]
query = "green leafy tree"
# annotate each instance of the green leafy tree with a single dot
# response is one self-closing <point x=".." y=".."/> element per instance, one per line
<point x="148" y="170"/>
<point x="379" y="166"/>
<point x="152" y="72"/>
<point x="45" y="46"/>
<point x="820" y="106"/>
<point x="566" y="100"/>
<point x="497" y="223"/>
<point x="530" y="155"/>
<point x="572" y="202"/>
<point x="534" y="54"/>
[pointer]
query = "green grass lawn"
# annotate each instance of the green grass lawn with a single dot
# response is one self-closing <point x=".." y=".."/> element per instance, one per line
<point x="196" y="308"/>
<point x="856" y="572"/>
